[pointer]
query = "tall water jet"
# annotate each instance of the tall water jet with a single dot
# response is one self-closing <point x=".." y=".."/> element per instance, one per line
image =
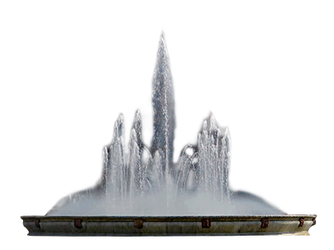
<point x="213" y="155"/>
<point x="210" y="160"/>
<point x="163" y="107"/>
<point x="135" y="166"/>
<point x="115" y="172"/>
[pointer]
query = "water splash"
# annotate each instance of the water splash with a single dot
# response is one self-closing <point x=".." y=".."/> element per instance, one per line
<point x="132" y="184"/>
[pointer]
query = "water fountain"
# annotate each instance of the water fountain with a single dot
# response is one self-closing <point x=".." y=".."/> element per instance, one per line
<point x="143" y="192"/>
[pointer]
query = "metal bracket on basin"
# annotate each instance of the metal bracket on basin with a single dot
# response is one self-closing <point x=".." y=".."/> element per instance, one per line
<point x="315" y="224"/>
<point x="138" y="223"/>
<point x="264" y="223"/>
<point x="301" y="222"/>
<point x="37" y="223"/>
<point x="78" y="223"/>
<point x="206" y="223"/>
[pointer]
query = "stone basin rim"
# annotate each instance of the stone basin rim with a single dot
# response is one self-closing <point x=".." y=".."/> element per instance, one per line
<point x="170" y="217"/>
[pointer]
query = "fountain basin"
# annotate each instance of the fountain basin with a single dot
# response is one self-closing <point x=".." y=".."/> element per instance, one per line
<point x="297" y="224"/>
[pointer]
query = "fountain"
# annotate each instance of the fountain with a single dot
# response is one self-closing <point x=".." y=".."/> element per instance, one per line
<point x="143" y="192"/>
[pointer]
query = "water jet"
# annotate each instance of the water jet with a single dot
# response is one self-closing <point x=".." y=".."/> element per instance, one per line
<point x="152" y="195"/>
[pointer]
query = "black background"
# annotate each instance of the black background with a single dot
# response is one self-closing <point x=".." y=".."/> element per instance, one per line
<point x="70" y="78"/>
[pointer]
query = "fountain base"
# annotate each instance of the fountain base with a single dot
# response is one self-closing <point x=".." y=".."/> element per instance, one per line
<point x="168" y="226"/>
